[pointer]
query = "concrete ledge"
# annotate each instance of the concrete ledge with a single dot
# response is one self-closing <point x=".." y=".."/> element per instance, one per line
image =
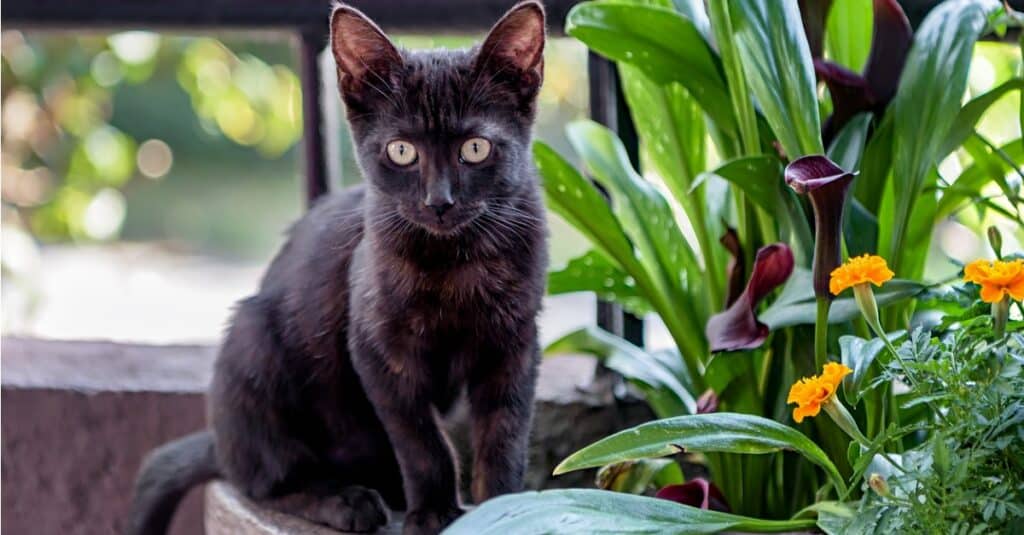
<point x="77" y="418"/>
<point x="230" y="513"/>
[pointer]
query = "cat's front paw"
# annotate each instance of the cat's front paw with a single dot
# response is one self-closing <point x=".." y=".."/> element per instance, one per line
<point x="429" y="522"/>
<point x="355" y="510"/>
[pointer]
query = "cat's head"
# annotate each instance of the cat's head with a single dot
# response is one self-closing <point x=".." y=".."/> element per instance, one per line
<point x="441" y="135"/>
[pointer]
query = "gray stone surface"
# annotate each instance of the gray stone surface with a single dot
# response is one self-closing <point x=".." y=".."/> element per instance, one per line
<point x="230" y="513"/>
<point x="78" y="417"/>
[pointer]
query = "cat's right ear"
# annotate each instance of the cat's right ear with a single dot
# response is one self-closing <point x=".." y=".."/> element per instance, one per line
<point x="365" y="57"/>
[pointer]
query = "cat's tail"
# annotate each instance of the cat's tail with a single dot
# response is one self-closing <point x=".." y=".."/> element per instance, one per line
<point x="167" y="474"/>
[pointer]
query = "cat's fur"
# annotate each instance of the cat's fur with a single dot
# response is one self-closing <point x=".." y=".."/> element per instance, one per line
<point x="387" y="302"/>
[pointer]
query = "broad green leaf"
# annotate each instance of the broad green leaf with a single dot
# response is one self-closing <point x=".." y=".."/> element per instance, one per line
<point x="650" y="224"/>
<point x="670" y="126"/>
<point x="667" y="46"/>
<point x="927" y="103"/>
<point x="588" y="511"/>
<point x="971" y="113"/>
<point x="778" y="66"/>
<point x="715" y="432"/>
<point x="974" y="178"/>
<point x="848" y="34"/>
<point x="732" y="64"/>
<point x="672" y="131"/>
<point x="833" y="517"/>
<point x="581" y="205"/>
<point x="593" y="272"/>
<point x="848" y="146"/>
<point x="694" y="10"/>
<point x="860" y="229"/>
<point x="796" y="304"/>
<point x="645" y="215"/>
<point x="857" y="354"/>
<point x="869" y="186"/>
<point x="760" y="178"/>
<point x="663" y="389"/>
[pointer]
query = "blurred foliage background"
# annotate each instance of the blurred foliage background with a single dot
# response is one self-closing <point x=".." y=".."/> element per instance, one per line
<point x="139" y="135"/>
<point x="188" y="143"/>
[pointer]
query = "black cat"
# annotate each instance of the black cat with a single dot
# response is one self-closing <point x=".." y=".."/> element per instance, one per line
<point x="389" y="301"/>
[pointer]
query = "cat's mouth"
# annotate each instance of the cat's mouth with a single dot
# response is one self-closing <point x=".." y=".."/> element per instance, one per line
<point x="451" y="223"/>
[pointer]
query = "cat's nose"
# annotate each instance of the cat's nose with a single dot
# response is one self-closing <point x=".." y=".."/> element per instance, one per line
<point x="441" y="206"/>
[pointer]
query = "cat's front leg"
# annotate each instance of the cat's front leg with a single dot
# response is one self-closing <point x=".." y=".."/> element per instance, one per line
<point x="399" y="393"/>
<point x="501" y="407"/>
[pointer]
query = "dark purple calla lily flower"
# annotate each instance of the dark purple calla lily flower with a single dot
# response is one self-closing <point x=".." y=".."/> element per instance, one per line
<point x="736" y="267"/>
<point x="707" y="403"/>
<point x="737" y="327"/>
<point x="826" y="184"/>
<point x="853" y="93"/>
<point x="697" y="492"/>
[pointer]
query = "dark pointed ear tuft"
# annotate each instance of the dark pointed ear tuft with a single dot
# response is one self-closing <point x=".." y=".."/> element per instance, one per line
<point x="361" y="50"/>
<point x="517" y="42"/>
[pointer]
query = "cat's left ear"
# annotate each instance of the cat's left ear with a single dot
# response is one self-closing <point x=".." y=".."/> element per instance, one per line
<point x="515" y="46"/>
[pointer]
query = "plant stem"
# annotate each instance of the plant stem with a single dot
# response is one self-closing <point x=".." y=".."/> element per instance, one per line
<point x="1000" y="314"/>
<point x="821" y="332"/>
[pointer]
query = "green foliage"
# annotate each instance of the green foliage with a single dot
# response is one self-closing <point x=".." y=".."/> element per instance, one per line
<point x="68" y="160"/>
<point x="722" y="100"/>
<point x="718" y="432"/>
<point x="598" y="511"/>
<point x="968" y="476"/>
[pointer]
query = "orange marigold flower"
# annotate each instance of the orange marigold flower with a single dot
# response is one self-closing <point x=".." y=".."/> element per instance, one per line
<point x="810" y="393"/>
<point x="997" y="279"/>
<point x="859" y="270"/>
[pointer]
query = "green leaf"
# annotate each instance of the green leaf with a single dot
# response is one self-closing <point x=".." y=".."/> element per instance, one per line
<point x="665" y="393"/>
<point x="778" y="67"/>
<point x="587" y="511"/>
<point x="869" y="186"/>
<point x="927" y="103"/>
<point x="672" y="131"/>
<point x="833" y="517"/>
<point x="581" y="205"/>
<point x="646" y="216"/>
<point x="974" y="178"/>
<point x="760" y="178"/>
<point x="971" y="113"/>
<point x="857" y="354"/>
<point x="670" y="126"/>
<point x="849" y="144"/>
<point x="650" y="224"/>
<point x="667" y="46"/>
<point x="860" y="229"/>
<point x="716" y="432"/>
<point x="848" y="34"/>
<point x="796" y="304"/>
<point x="593" y="272"/>
<point x="742" y="105"/>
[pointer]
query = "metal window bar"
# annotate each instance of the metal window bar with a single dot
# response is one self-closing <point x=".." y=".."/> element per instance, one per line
<point x="308" y="19"/>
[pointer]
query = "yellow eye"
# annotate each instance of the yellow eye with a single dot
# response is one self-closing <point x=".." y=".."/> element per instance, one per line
<point x="401" y="152"/>
<point x="475" y="150"/>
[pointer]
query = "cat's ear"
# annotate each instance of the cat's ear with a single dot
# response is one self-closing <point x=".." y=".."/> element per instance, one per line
<point x="515" y="45"/>
<point x="364" y="55"/>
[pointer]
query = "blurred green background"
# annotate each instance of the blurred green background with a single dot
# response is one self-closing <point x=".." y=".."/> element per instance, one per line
<point x="148" y="177"/>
